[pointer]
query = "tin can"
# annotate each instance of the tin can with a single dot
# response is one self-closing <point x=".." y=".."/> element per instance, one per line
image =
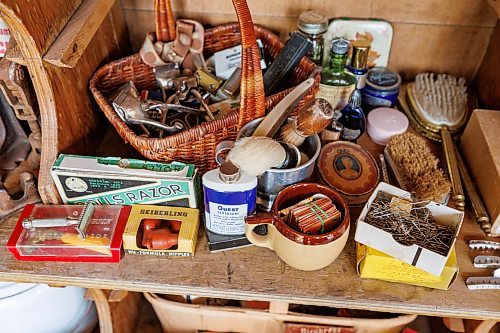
<point x="229" y="198"/>
<point x="381" y="89"/>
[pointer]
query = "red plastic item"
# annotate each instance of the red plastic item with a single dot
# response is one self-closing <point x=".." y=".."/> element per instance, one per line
<point x="161" y="239"/>
<point x="48" y="244"/>
<point x="147" y="226"/>
<point x="175" y="226"/>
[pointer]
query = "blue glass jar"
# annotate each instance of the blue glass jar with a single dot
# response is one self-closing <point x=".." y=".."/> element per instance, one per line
<point x="352" y="118"/>
<point x="381" y="89"/>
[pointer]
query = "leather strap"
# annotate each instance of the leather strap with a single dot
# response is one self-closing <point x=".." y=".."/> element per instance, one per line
<point x="186" y="49"/>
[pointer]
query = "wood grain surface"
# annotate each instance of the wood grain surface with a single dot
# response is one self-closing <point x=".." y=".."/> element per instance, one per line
<point x="77" y="34"/>
<point x="429" y="35"/>
<point x="257" y="274"/>
<point x="69" y="119"/>
<point x="487" y="82"/>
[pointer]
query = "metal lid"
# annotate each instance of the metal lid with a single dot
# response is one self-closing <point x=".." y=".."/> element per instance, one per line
<point x="349" y="169"/>
<point x="360" y="50"/>
<point x="340" y="45"/>
<point x="312" y="23"/>
<point x="382" y="78"/>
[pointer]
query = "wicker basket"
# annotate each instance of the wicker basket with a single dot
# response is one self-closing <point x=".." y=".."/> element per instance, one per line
<point x="197" y="145"/>
<point x="186" y="318"/>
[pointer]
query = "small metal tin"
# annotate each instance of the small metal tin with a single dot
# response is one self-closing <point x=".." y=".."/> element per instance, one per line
<point x="381" y="89"/>
<point x="350" y="170"/>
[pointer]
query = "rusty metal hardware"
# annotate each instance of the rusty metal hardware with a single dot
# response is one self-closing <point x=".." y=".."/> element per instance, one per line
<point x="16" y="145"/>
<point x="130" y="110"/>
<point x="9" y="205"/>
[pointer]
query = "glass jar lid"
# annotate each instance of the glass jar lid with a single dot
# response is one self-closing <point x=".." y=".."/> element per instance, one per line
<point x="312" y="23"/>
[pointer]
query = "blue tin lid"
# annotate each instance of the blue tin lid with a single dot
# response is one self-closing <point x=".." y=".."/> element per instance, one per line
<point x="382" y="78"/>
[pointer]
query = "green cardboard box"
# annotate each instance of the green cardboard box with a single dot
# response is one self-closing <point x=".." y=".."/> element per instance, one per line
<point x="119" y="181"/>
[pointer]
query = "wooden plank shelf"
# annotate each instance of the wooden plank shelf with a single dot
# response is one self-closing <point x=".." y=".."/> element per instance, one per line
<point x="254" y="273"/>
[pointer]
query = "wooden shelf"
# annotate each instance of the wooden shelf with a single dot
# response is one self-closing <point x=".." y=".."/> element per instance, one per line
<point x="257" y="273"/>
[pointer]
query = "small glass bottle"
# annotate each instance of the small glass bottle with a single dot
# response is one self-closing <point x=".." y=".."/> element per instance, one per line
<point x="337" y="83"/>
<point x="353" y="118"/>
<point x="313" y="25"/>
<point x="359" y="61"/>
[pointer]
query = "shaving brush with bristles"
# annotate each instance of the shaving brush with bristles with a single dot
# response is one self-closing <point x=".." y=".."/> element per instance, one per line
<point x="257" y="154"/>
<point x="418" y="167"/>
<point x="311" y="119"/>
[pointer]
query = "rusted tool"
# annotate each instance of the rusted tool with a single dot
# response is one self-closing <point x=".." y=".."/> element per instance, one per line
<point x="9" y="205"/>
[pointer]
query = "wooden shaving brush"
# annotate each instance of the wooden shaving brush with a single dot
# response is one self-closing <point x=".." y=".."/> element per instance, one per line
<point x="257" y="154"/>
<point x="311" y="119"/>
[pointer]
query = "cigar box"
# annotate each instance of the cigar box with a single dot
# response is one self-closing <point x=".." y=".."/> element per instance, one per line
<point x="161" y="231"/>
<point x="480" y="147"/>
<point x="373" y="264"/>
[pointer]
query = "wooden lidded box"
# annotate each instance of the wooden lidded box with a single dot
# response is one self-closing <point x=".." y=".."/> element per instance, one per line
<point x="480" y="146"/>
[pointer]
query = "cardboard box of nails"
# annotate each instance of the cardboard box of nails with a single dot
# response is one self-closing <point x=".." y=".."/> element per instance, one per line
<point x="421" y="234"/>
<point x="263" y="192"/>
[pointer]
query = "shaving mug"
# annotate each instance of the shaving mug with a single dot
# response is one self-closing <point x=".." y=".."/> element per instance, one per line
<point x="299" y="250"/>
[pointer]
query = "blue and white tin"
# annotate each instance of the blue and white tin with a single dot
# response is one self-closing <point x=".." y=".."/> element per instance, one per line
<point x="228" y="203"/>
<point x="381" y="89"/>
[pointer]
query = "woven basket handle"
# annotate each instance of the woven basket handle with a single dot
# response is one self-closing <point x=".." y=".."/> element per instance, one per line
<point x="252" y="98"/>
<point x="164" y="20"/>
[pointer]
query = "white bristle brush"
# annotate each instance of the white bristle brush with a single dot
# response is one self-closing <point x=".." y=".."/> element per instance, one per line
<point x="442" y="101"/>
<point x="257" y="154"/>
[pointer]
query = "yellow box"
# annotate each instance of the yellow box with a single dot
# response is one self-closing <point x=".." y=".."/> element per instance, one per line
<point x="167" y="220"/>
<point x="373" y="264"/>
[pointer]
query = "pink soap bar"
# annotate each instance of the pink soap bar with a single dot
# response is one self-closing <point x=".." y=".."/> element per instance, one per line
<point x="383" y="123"/>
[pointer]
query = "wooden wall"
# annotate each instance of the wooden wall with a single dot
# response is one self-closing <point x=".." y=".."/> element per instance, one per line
<point x="439" y="35"/>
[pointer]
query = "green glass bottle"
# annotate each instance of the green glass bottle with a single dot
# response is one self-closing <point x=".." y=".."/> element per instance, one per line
<point x="337" y="83"/>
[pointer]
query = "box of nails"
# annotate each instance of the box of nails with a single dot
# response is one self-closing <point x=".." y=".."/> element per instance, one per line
<point x="420" y="233"/>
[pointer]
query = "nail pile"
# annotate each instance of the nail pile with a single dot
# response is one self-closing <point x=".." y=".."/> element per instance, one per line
<point x="409" y="226"/>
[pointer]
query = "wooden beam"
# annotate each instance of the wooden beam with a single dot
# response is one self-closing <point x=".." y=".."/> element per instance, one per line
<point x="14" y="54"/>
<point x="496" y="6"/>
<point x="77" y="34"/>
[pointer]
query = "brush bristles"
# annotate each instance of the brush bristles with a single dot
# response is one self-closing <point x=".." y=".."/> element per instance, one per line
<point x="443" y="101"/>
<point x="257" y="154"/>
<point x="290" y="135"/>
<point x="419" y="167"/>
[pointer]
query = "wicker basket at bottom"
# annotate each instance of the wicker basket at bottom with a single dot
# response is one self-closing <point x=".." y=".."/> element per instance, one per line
<point x="183" y="318"/>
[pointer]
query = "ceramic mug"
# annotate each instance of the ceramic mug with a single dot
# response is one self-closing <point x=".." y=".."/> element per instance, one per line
<point x="299" y="250"/>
